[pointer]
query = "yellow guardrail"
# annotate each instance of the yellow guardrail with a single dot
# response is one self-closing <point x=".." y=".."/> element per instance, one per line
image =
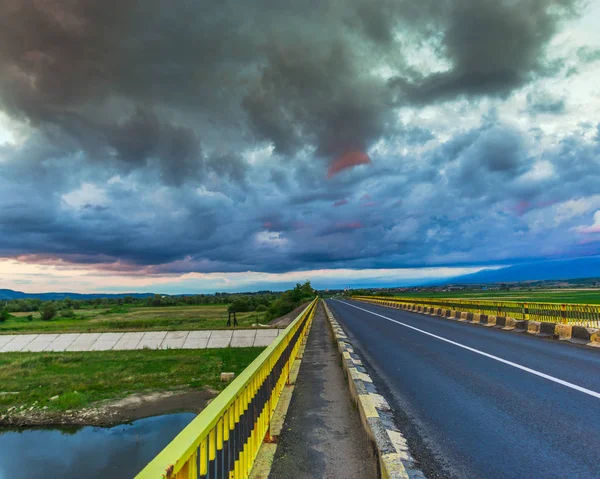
<point x="575" y="314"/>
<point x="222" y="442"/>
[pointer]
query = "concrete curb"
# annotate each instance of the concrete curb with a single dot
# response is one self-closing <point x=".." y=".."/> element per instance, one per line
<point x="563" y="332"/>
<point x="395" y="461"/>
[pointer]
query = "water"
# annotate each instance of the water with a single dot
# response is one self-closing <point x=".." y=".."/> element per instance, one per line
<point x="89" y="452"/>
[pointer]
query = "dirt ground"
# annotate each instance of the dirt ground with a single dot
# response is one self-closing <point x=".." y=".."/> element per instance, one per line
<point x="110" y="413"/>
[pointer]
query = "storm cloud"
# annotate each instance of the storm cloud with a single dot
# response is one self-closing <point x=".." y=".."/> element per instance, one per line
<point x="160" y="138"/>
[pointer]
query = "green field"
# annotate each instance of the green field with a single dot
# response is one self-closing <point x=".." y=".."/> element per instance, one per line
<point x="125" y="318"/>
<point x="79" y="379"/>
<point x="581" y="296"/>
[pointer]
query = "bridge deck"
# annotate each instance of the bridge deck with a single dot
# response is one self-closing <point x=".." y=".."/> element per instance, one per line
<point x="322" y="434"/>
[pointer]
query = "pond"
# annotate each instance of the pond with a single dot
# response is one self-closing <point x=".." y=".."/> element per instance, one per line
<point x="91" y="452"/>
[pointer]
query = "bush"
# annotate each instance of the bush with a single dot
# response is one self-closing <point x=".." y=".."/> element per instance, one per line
<point x="67" y="313"/>
<point x="30" y="317"/>
<point x="47" y="311"/>
<point x="4" y="315"/>
<point x="261" y="308"/>
<point x="289" y="300"/>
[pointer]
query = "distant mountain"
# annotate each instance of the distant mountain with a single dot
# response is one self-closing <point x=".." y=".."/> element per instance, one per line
<point x="542" y="270"/>
<point x="11" y="294"/>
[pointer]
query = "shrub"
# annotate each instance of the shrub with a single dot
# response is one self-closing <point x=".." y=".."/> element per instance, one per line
<point x="67" y="313"/>
<point x="47" y="311"/>
<point x="4" y="315"/>
<point x="261" y="308"/>
<point x="30" y="317"/>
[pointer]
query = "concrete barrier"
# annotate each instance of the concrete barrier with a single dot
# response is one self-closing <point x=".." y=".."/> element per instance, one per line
<point x="395" y="460"/>
<point x="547" y="329"/>
<point x="521" y="324"/>
<point x="564" y="332"/>
<point x="583" y="334"/>
<point x="533" y="327"/>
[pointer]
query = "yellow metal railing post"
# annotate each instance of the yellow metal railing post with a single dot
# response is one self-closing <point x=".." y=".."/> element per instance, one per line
<point x="577" y="314"/>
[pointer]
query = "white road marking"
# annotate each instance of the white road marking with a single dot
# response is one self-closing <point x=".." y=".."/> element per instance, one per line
<point x="589" y="392"/>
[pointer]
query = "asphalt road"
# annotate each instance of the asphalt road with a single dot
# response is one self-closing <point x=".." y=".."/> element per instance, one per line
<point x="477" y="402"/>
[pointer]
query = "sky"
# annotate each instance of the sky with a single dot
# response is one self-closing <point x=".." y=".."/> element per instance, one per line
<point x="232" y="146"/>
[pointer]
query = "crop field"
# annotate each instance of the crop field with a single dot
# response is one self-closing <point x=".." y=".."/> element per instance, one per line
<point x="124" y="318"/>
<point x="580" y="296"/>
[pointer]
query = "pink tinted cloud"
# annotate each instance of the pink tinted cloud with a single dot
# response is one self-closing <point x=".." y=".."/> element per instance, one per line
<point x="544" y="204"/>
<point x="352" y="225"/>
<point x="589" y="230"/>
<point x="348" y="160"/>
<point x="342" y="227"/>
<point x="340" y="203"/>
<point x="301" y="225"/>
<point x="522" y="207"/>
<point x="592" y="229"/>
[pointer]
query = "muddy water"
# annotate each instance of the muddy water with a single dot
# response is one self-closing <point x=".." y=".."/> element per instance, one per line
<point x="89" y="452"/>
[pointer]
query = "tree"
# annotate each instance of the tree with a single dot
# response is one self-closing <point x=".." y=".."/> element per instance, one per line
<point x="155" y="300"/>
<point x="239" y="305"/>
<point x="47" y="311"/>
<point x="4" y="315"/>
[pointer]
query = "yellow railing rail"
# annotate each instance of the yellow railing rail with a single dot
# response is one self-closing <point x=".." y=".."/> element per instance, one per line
<point x="575" y="314"/>
<point x="222" y="442"/>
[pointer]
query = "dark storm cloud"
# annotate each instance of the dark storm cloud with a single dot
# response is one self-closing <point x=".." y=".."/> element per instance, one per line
<point x="143" y="138"/>
<point x="588" y="55"/>
<point x="302" y="82"/>
<point x="166" y="108"/>
<point x="229" y="165"/>
<point x="493" y="46"/>
<point x="544" y="102"/>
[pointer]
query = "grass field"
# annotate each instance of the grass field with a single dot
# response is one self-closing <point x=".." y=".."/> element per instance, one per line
<point x="582" y="296"/>
<point x="79" y="379"/>
<point x="131" y="319"/>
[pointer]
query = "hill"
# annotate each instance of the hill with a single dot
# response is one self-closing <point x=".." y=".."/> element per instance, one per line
<point x="6" y="294"/>
<point x="575" y="268"/>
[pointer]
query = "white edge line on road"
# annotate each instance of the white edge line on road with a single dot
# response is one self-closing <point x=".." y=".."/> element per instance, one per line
<point x="589" y="392"/>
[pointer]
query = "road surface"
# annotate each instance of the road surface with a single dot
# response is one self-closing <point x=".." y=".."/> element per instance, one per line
<point x="477" y="402"/>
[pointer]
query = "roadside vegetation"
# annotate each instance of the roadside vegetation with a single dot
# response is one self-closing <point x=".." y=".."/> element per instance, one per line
<point x="152" y="313"/>
<point x="54" y="382"/>
<point x="290" y="300"/>
<point x="128" y="319"/>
